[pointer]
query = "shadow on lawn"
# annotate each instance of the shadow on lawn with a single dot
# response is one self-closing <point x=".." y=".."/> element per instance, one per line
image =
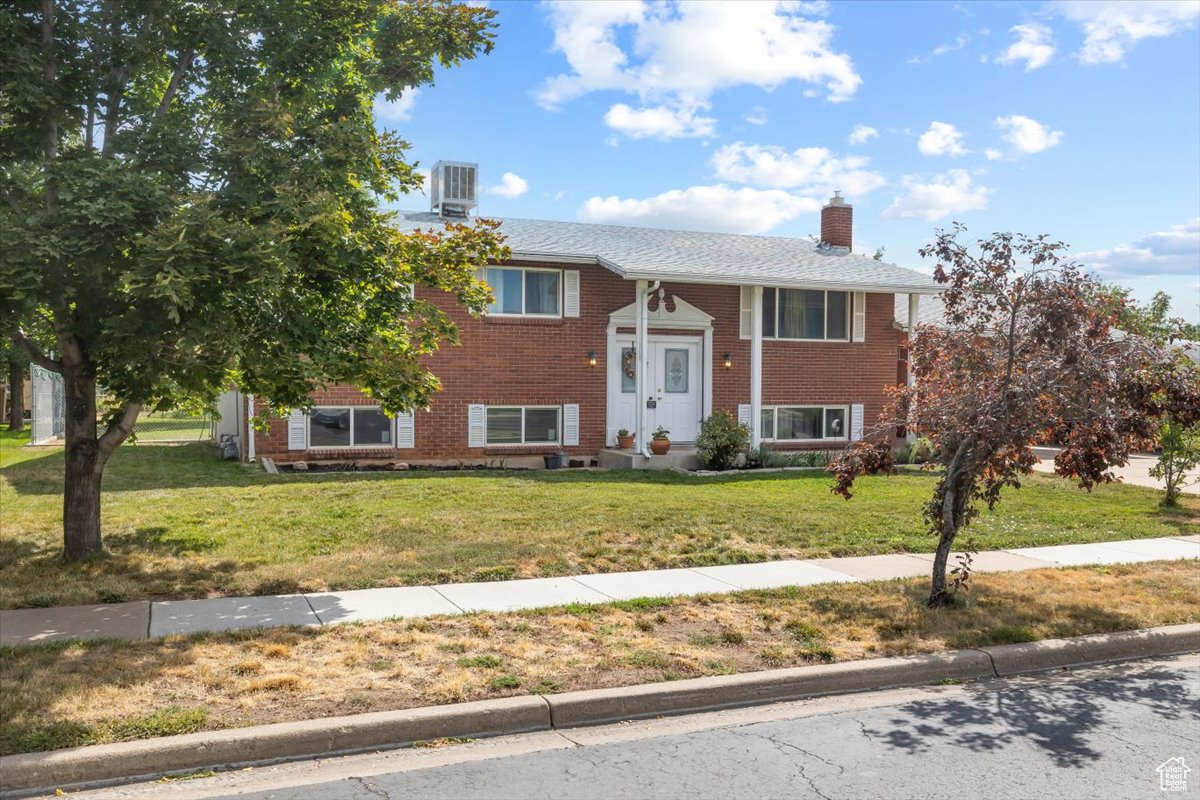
<point x="1057" y="717"/>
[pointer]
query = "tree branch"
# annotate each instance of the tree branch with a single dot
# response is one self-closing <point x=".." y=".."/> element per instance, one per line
<point x="185" y="61"/>
<point x="117" y="432"/>
<point x="35" y="353"/>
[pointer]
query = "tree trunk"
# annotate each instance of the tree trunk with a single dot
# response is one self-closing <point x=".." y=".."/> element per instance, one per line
<point x="16" y="396"/>
<point x="954" y="500"/>
<point x="937" y="590"/>
<point x="85" y="465"/>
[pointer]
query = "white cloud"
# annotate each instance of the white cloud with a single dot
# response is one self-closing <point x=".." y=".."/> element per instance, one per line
<point x="861" y="134"/>
<point x="1112" y="27"/>
<point x="1027" y="135"/>
<point x="398" y="110"/>
<point x="942" y="139"/>
<point x="678" y="54"/>
<point x="511" y="185"/>
<point x="709" y="208"/>
<point x="1034" y="46"/>
<point x="993" y="154"/>
<point x="757" y="116"/>
<point x="811" y="170"/>
<point x="950" y="193"/>
<point x="960" y="42"/>
<point x="1175" y="251"/>
<point x="660" y="122"/>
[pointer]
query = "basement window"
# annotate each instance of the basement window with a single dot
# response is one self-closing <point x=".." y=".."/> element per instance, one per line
<point x="523" y="425"/>
<point x="349" y="426"/>
<point x="804" y="423"/>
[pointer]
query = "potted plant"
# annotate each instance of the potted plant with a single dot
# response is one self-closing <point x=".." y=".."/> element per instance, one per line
<point x="624" y="439"/>
<point x="659" y="443"/>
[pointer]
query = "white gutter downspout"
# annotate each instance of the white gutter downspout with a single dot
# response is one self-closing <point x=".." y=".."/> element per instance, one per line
<point x="642" y="347"/>
<point x="250" y="427"/>
<point x="914" y="314"/>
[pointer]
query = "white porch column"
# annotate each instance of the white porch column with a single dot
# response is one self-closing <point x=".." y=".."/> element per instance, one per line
<point x="641" y="359"/>
<point x="756" y="296"/>
<point x="914" y="314"/>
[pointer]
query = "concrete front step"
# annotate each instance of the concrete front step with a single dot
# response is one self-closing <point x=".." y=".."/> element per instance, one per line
<point x="681" y="457"/>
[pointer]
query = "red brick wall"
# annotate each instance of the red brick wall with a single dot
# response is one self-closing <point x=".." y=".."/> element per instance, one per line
<point x="837" y="225"/>
<point x="507" y="361"/>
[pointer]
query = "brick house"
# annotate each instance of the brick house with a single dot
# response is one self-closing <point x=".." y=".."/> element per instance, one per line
<point x="596" y="328"/>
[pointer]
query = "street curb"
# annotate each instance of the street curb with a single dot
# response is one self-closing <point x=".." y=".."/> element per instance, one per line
<point x="152" y="758"/>
<point x="598" y="706"/>
<point x="1080" y="651"/>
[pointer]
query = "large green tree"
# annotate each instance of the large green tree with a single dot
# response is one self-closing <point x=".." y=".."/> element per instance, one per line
<point x="192" y="195"/>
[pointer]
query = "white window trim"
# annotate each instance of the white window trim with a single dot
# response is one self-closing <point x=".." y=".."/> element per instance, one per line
<point x="849" y="317"/>
<point x="352" y="445"/>
<point x="523" y="313"/>
<point x="523" y="443"/>
<point x="823" y="438"/>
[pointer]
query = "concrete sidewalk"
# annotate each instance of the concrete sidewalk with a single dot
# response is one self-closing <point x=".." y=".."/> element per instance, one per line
<point x="1135" y="473"/>
<point x="144" y="619"/>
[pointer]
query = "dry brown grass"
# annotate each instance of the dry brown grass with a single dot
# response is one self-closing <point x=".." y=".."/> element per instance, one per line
<point x="60" y="695"/>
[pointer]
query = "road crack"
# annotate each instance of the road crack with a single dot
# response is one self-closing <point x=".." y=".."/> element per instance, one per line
<point x="372" y="788"/>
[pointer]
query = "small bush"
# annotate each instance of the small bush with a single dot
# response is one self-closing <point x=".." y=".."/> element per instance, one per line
<point x="918" y="451"/>
<point x="722" y="438"/>
<point x="501" y="682"/>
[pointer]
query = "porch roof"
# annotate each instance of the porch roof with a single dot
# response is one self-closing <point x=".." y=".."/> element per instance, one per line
<point x="696" y="256"/>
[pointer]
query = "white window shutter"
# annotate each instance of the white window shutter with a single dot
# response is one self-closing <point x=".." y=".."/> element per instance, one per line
<point x="571" y="425"/>
<point x="859" y="328"/>
<point x="856" y="422"/>
<point x="744" y="415"/>
<point x="745" y="299"/>
<point x="297" y="429"/>
<point x="570" y="293"/>
<point x="405" y="431"/>
<point x="476" y="426"/>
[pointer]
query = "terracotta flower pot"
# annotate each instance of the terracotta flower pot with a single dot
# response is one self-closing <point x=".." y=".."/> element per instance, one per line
<point x="625" y="442"/>
<point x="660" y="446"/>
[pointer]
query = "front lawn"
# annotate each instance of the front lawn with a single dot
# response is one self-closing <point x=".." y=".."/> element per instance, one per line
<point x="63" y="695"/>
<point x="179" y="522"/>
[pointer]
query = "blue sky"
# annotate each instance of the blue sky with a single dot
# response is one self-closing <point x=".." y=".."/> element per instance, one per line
<point x="1080" y="120"/>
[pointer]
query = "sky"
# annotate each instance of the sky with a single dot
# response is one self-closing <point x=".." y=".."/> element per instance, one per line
<point x="1080" y="120"/>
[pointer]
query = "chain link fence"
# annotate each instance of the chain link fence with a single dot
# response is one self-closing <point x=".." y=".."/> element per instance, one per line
<point x="48" y="417"/>
<point x="172" y="426"/>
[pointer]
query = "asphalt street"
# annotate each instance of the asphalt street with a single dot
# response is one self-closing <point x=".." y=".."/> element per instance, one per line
<point x="1096" y="733"/>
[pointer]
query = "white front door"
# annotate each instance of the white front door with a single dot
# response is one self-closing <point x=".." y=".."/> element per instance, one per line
<point x="675" y="383"/>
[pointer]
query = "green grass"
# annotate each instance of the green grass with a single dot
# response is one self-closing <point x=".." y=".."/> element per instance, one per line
<point x="179" y="522"/>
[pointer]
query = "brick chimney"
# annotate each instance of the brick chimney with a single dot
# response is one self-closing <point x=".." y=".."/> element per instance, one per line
<point x="837" y="222"/>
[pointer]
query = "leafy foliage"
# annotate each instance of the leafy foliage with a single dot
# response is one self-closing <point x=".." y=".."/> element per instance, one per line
<point x="1180" y="453"/>
<point x="191" y="197"/>
<point x="1024" y="355"/>
<point x="721" y="439"/>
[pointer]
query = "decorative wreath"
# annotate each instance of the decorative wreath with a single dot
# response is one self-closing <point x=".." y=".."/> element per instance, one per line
<point x="629" y="363"/>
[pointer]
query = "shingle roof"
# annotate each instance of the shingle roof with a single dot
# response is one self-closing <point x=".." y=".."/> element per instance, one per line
<point x="697" y="257"/>
<point x="930" y="311"/>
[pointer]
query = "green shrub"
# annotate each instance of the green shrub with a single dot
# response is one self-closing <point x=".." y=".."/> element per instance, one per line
<point x="722" y="438"/>
<point x="918" y="451"/>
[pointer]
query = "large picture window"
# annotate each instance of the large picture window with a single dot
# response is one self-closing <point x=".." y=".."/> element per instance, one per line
<point x="806" y="314"/>
<point x="349" y="426"/>
<point x="803" y="423"/>
<point x="525" y="291"/>
<point x="523" y="425"/>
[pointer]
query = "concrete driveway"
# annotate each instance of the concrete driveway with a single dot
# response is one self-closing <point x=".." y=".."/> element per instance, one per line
<point x="1136" y="472"/>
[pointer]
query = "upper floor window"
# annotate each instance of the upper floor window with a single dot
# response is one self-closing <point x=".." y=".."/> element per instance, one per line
<point x="525" y="291"/>
<point x="812" y="314"/>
